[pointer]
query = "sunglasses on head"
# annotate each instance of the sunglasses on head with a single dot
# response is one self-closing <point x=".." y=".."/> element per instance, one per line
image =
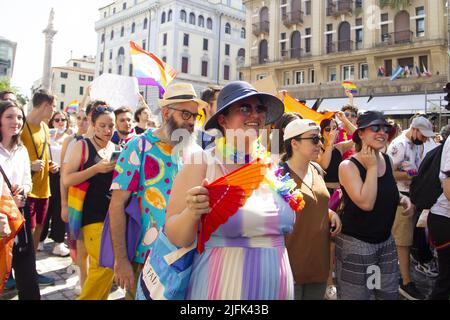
<point x="247" y="109"/>
<point x="314" y="140"/>
<point x="103" y="108"/>
<point x="57" y="120"/>
<point x="186" y="115"/>
<point x="377" y="127"/>
<point x="351" y="114"/>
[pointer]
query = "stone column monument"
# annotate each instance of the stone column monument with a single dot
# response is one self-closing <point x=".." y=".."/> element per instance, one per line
<point x="49" y="34"/>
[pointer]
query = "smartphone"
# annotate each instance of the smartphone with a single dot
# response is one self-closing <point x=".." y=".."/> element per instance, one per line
<point x="115" y="156"/>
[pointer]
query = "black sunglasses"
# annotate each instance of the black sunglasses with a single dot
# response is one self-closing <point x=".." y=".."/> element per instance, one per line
<point x="314" y="140"/>
<point x="377" y="127"/>
<point x="246" y="109"/>
<point x="186" y="115"/>
<point x="59" y="120"/>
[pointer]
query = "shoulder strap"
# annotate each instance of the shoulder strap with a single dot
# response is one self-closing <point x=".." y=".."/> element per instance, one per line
<point x="83" y="155"/>
<point x="34" y="144"/>
<point x="6" y="179"/>
<point x="318" y="168"/>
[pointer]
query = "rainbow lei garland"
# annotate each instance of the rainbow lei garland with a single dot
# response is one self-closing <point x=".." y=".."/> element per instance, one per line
<point x="284" y="185"/>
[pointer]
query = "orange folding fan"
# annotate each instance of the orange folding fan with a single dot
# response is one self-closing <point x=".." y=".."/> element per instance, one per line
<point x="227" y="194"/>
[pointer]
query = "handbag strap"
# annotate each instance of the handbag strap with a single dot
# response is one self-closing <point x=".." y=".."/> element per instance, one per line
<point x="6" y="179"/>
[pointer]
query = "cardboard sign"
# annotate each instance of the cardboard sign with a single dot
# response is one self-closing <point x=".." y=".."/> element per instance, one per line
<point x="118" y="91"/>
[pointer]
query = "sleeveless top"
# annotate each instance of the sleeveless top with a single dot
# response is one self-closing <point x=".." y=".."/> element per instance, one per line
<point x="245" y="258"/>
<point x="309" y="244"/>
<point x="98" y="195"/>
<point x="372" y="226"/>
<point x="333" y="168"/>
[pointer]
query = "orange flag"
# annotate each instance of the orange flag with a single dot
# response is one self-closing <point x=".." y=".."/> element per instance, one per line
<point x="16" y="221"/>
<point x="292" y="105"/>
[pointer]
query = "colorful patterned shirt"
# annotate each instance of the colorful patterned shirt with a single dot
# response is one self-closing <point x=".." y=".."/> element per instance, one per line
<point x="152" y="188"/>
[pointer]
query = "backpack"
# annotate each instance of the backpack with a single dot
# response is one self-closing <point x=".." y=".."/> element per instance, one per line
<point x="426" y="186"/>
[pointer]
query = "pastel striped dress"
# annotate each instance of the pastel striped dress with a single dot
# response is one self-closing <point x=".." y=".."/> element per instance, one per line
<point x="246" y="258"/>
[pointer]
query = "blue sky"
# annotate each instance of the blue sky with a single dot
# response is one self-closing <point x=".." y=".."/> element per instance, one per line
<point x="23" y="22"/>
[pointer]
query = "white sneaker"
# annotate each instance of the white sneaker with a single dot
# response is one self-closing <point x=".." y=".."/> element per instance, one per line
<point x="60" y="249"/>
<point x="331" y="293"/>
<point x="40" y="246"/>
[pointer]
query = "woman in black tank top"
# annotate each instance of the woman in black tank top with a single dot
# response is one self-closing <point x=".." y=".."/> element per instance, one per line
<point x="365" y="251"/>
<point x="95" y="154"/>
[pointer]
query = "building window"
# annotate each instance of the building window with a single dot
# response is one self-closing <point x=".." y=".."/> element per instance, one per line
<point x="420" y="22"/>
<point x="109" y="70"/>
<point x="227" y="28"/>
<point x="283" y="45"/>
<point x="209" y="24"/>
<point x="186" y="40"/>
<point x="112" y="35"/>
<point x="308" y="40"/>
<point x="163" y="17"/>
<point x="169" y="16"/>
<point x="101" y="56"/>
<point x="164" y="59"/>
<point x="330" y="43"/>
<point x="364" y="71"/>
<point x="287" y="78"/>
<point x="110" y="54"/>
<point x="243" y="35"/>
<point x="164" y="39"/>
<point x="133" y="27"/>
<point x="124" y="6"/>
<point x="64" y="75"/>
<point x="130" y="73"/>
<point x="330" y="27"/>
<point x="63" y="88"/>
<point x="358" y="4"/>
<point x="90" y="78"/>
<point x="103" y="38"/>
<point x="201" y="21"/>
<point x="385" y="33"/>
<point x="348" y="72"/>
<point x="122" y="31"/>
<point x="82" y="77"/>
<point x="192" y="18"/>
<point x="388" y="68"/>
<point x="145" y="23"/>
<point x="144" y="44"/>
<point x="312" y="76"/>
<point x="114" y="10"/>
<point x="183" y="15"/>
<point x="226" y="72"/>
<point x="184" y="65"/>
<point x="359" y="38"/>
<point x="332" y="76"/>
<point x="299" y="77"/>
<point x="384" y="17"/>
<point x="81" y="91"/>
<point x="119" y="70"/>
<point x="308" y="7"/>
<point x="204" y="68"/>
<point x="241" y="76"/>
<point x="227" y="49"/>
<point x="205" y="44"/>
<point x="61" y="105"/>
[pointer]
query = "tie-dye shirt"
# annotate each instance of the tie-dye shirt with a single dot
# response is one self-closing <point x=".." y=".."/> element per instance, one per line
<point x="152" y="188"/>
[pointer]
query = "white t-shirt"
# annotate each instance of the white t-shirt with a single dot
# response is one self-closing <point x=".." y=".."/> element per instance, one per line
<point x="16" y="165"/>
<point x="442" y="205"/>
<point x="405" y="156"/>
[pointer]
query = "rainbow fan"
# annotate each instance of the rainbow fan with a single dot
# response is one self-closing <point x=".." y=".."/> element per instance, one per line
<point x="227" y="194"/>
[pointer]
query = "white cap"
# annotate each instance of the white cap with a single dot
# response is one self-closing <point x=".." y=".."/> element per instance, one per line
<point x="298" y="127"/>
<point x="424" y="126"/>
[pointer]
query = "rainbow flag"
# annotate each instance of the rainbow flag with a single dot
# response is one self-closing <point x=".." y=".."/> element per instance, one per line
<point x="72" y="107"/>
<point x="350" y="86"/>
<point x="150" y="69"/>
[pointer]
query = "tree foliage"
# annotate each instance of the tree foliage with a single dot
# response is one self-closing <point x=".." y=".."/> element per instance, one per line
<point x="5" y="84"/>
<point x="395" y="4"/>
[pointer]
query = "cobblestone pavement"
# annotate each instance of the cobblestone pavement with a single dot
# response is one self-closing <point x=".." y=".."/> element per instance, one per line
<point x="66" y="278"/>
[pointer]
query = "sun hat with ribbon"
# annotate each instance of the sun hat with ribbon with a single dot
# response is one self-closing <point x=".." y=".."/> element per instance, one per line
<point x="178" y="93"/>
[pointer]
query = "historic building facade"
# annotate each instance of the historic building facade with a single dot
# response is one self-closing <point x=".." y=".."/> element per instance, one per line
<point x="7" y="56"/>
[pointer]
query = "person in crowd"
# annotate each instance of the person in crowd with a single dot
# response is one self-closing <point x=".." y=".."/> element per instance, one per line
<point x="15" y="168"/>
<point x="124" y="126"/>
<point x="142" y="118"/>
<point x="210" y="94"/>
<point x="151" y="180"/>
<point x="309" y="244"/>
<point x="445" y="132"/>
<point x="36" y="138"/>
<point x="58" y="125"/>
<point x="351" y="113"/>
<point x="98" y="170"/>
<point x="366" y="258"/>
<point x="406" y="152"/>
<point x="8" y="95"/>
<point x="254" y="263"/>
<point x="439" y="228"/>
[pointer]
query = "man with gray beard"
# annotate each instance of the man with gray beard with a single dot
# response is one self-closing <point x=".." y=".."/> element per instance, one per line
<point x="147" y="167"/>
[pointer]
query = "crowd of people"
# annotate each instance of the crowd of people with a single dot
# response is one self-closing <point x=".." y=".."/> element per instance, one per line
<point x="354" y="238"/>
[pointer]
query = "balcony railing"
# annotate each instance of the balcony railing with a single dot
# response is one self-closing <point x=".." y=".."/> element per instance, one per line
<point x="260" y="27"/>
<point x="339" y="7"/>
<point x="345" y="45"/>
<point x="259" y="60"/>
<point x="291" y="18"/>
<point x="330" y="47"/>
<point x="398" y="37"/>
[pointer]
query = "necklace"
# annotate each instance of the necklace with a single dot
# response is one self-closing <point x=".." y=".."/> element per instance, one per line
<point x="102" y="151"/>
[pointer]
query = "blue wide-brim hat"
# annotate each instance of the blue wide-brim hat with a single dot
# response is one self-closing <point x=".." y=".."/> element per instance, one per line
<point x="239" y="90"/>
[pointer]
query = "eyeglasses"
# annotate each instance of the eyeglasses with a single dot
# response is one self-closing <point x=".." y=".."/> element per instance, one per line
<point x="377" y="127"/>
<point x="351" y="115"/>
<point x="247" y="109"/>
<point x="58" y="120"/>
<point x="186" y="115"/>
<point x="314" y="140"/>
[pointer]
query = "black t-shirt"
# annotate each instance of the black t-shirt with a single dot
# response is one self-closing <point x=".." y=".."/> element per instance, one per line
<point x="332" y="172"/>
<point x="98" y="195"/>
<point x="139" y="130"/>
<point x="374" y="226"/>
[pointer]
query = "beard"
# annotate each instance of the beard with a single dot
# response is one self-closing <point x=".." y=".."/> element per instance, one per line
<point x="183" y="132"/>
